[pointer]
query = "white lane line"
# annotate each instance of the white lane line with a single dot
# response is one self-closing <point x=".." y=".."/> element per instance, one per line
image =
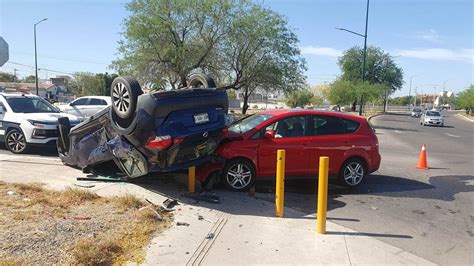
<point x="454" y="136"/>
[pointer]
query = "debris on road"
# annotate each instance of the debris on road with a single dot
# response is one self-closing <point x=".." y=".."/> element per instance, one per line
<point x="182" y="224"/>
<point x="84" y="185"/>
<point x="169" y="204"/>
<point x="203" y="197"/>
<point x="210" y="236"/>
<point x="201" y="218"/>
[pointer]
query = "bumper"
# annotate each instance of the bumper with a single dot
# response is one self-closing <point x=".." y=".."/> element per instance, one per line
<point x="434" y="122"/>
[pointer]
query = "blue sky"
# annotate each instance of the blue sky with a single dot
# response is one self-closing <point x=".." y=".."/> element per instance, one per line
<point x="432" y="40"/>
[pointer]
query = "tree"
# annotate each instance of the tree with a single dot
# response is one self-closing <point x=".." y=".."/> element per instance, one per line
<point x="29" y="79"/>
<point x="242" y="44"/>
<point x="343" y="92"/>
<point x="465" y="99"/>
<point x="85" y="84"/>
<point x="299" y="98"/>
<point x="7" y="77"/>
<point x="380" y="68"/>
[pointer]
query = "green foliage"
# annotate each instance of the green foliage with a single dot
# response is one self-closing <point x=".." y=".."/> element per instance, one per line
<point x="231" y="94"/>
<point x="299" y="98"/>
<point x="85" y="84"/>
<point x="465" y="100"/>
<point x="244" y="45"/>
<point x="404" y="100"/>
<point x="343" y="92"/>
<point x="7" y="77"/>
<point x="380" y="68"/>
<point x="29" y="79"/>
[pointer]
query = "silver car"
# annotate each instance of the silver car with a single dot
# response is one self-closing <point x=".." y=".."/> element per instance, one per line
<point x="432" y="118"/>
<point x="416" y="112"/>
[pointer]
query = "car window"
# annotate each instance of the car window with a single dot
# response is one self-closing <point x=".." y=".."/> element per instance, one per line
<point x="326" y="125"/>
<point x="289" y="127"/>
<point x="97" y="102"/>
<point x="30" y="105"/>
<point x="433" y="113"/>
<point x="82" y="101"/>
<point x="257" y="135"/>
<point x="349" y="125"/>
<point x="249" y="123"/>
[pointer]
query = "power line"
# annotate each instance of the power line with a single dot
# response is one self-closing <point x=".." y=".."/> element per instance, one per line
<point x="64" y="58"/>
<point x="51" y="70"/>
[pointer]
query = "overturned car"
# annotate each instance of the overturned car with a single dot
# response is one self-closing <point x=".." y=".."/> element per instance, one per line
<point x="141" y="133"/>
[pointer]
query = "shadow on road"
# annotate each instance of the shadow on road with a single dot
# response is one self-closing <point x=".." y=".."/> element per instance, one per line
<point x="368" y="234"/>
<point x="47" y="151"/>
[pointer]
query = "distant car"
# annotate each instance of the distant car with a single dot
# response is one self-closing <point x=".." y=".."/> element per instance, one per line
<point x="27" y="120"/>
<point x="141" y="133"/>
<point x="416" y="112"/>
<point x="432" y="118"/>
<point x="248" y="151"/>
<point x="84" y="107"/>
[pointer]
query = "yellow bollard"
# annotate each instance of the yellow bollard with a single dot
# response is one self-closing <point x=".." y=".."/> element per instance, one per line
<point x="280" y="184"/>
<point x="322" y="194"/>
<point x="192" y="179"/>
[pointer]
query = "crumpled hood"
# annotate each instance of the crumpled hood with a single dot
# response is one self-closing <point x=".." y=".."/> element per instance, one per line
<point x="49" y="117"/>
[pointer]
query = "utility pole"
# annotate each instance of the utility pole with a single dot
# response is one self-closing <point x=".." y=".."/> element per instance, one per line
<point x="36" y="56"/>
<point x="14" y="75"/>
<point x="409" y="92"/>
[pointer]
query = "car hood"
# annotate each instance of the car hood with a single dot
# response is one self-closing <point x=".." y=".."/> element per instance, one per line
<point x="49" y="117"/>
<point x="433" y="117"/>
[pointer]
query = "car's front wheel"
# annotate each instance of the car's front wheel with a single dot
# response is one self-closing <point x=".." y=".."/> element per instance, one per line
<point x="15" y="141"/>
<point x="238" y="175"/>
<point x="352" y="173"/>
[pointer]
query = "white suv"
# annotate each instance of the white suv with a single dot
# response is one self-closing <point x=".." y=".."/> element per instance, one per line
<point x="85" y="106"/>
<point x="26" y="120"/>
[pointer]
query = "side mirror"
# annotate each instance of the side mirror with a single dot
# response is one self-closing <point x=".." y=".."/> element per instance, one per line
<point x="71" y="104"/>
<point x="269" y="134"/>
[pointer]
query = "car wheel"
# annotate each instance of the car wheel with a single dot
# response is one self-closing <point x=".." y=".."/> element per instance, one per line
<point x="201" y="81"/>
<point x="352" y="173"/>
<point x="238" y="175"/>
<point x="124" y="93"/>
<point x="15" y="141"/>
<point x="64" y="127"/>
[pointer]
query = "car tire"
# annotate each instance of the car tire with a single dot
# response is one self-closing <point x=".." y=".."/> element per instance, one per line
<point x="238" y="174"/>
<point x="64" y="127"/>
<point x="352" y="173"/>
<point x="201" y="81"/>
<point x="15" y="141"/>
<point x="124" y="94"/>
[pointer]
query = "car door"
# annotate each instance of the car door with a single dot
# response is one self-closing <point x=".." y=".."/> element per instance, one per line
<point x="94" y="106"/>
<point x="78" y="107"/>
<point x="290" y="135"/>
<point x="328" y="138"/>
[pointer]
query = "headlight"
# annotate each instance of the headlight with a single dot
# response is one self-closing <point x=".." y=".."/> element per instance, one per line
<point x="40" y="124"/>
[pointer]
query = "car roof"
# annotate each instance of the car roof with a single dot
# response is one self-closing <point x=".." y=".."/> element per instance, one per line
<point x="286" y="112"/>
<point x="96" y="97"/>
<point x="18" y="94"/>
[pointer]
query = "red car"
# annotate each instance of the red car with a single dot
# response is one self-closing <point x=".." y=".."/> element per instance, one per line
<point x="248" y="151"/>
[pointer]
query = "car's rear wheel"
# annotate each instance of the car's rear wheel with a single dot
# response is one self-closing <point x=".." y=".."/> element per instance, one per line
<point x="238" y="175"/>
<point x="15" y="141"/>
<point x="352" y="173"/>
<point x="124" y="93"/>
<point x="201" y="81"/>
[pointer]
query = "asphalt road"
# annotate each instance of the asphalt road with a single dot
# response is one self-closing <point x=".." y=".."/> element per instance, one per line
<point x="427" y="212"/>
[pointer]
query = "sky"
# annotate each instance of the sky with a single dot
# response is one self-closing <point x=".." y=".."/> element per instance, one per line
<point x="431" y="40"/>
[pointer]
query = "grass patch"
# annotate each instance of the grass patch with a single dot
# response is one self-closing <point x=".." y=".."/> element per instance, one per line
<point x="75" y="226"/>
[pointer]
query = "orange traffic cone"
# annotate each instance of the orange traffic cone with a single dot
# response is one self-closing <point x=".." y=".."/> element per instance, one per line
<point x="422" y="163"/>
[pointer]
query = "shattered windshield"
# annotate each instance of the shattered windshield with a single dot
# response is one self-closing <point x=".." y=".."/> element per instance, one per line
<point x="249" y="123"/>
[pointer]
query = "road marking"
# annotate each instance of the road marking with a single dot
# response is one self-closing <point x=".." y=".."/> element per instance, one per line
<point x="398" y="131"/>
<point x="454" y="136"/>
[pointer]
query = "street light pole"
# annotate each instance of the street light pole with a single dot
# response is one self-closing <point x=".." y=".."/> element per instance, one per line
<point x="36" y="56"/>
<point x="365" y="51"/>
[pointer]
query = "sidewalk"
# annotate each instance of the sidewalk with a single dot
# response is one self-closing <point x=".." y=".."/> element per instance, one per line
<point x="239" y="230"/>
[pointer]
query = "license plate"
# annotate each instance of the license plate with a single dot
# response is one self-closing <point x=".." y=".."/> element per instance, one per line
<point x="201" y="118"/>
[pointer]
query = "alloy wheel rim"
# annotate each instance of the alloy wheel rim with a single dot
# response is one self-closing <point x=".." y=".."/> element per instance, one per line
<point x="239" y="176"/>
<point x="353" y="173"/>
<point x="16" y="142"/>
<point x="121" y="98"/>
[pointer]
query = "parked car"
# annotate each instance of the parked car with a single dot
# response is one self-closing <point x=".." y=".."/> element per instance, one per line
<point x="27" y="120"/>
<point x="84" y="107"/>
<point x="432" y="117"/>
<point x="248" y="151"/>
<point x="416" y="112"/>
<point x="141" y="133"/>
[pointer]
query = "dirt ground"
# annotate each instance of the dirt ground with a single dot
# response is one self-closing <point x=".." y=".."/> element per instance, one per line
<point x="40" y="226"/>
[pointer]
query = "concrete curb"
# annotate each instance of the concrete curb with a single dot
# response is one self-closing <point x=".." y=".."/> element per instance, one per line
<point x="465" y="118"/>
<point x="372" y="116"/>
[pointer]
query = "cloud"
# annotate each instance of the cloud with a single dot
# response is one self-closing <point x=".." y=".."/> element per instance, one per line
<point x="320" y="51"/>
<point x="430" y="36"/>
<point x="464" y="55"/>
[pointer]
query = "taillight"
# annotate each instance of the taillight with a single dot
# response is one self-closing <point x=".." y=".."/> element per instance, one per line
<point x="159" y="143"/>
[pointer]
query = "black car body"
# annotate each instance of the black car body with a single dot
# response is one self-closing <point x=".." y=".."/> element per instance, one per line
<point x="166" y="131"/>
